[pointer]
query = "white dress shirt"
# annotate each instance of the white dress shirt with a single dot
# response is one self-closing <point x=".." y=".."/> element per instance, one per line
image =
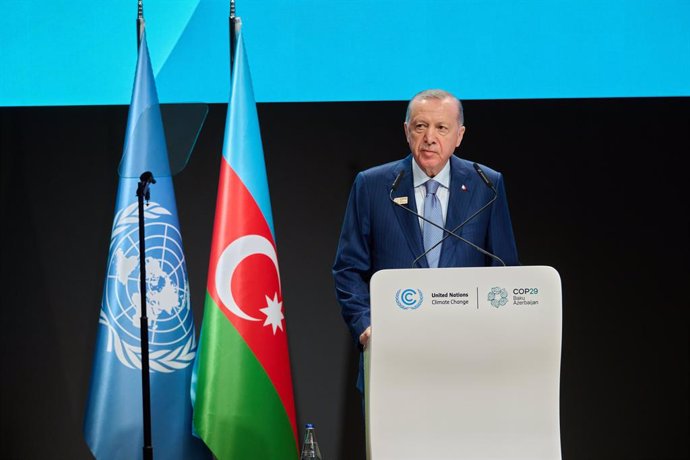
<point x="419" y="178"/>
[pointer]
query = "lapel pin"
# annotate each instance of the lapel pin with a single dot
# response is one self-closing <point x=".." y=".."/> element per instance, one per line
<point x="463" y="188"/>
<point x="400" y="200"/>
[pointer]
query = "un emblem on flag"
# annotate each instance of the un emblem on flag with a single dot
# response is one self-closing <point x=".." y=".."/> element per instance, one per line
<point x="170" y="321"/>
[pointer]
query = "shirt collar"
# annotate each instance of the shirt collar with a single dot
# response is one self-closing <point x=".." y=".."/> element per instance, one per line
<point x="419" y="177"/>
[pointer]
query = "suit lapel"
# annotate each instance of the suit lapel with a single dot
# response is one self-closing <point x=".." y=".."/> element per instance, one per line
<point x="409" y="223"/>
<point x="459" y="200"/>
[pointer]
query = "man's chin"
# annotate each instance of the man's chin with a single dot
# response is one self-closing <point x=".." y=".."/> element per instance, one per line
<point x="431" y="168"/>
<point x="429" y="164"/>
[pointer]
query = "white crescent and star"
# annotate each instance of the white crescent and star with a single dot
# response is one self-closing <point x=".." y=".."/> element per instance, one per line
<point x="228" y="261"/>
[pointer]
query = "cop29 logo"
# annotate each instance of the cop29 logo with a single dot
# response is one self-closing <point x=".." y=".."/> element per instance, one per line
<point x="498" y="297"/>
<point x="409" y="299"/>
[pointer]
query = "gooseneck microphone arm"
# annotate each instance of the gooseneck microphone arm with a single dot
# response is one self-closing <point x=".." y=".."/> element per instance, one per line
<point x="448" y="233"/>
<point x="452" y="233"/>
<point x="489" y="184"/>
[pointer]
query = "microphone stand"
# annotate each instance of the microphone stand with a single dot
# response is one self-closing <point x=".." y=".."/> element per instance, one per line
<point x="144" y="193"/>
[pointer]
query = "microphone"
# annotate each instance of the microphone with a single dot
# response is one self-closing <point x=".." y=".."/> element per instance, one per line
<point x="485" y="178"/>
<point x="452" y="232"/>
<point x="396" y="182"/>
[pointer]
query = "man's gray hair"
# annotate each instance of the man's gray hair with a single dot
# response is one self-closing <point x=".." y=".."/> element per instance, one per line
<point x="440" y="95"/>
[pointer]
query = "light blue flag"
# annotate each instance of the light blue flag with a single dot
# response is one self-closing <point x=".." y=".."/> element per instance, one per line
<point x="113" y="426"/>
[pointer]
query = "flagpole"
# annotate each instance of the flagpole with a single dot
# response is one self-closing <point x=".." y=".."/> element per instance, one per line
<point x="144" y="193"/>
<point x="140" y="21"/>
<point x="233" y="33"/>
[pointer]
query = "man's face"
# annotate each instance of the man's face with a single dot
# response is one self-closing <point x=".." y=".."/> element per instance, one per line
<point x="433" y="132"/>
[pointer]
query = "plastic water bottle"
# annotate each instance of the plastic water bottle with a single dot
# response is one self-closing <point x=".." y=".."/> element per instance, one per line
<point x="310" y="447"/>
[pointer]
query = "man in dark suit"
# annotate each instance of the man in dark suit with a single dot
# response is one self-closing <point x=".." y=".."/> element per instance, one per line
<point x="378" y="233"/>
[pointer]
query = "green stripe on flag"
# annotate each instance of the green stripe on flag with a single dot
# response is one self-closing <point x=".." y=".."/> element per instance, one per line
<point x="237" y="411"/>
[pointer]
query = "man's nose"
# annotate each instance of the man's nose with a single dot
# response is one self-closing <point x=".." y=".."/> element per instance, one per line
<point x="430" y="135"/>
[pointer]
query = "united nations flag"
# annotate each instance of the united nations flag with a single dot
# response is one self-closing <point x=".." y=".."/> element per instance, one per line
<point x="113" y="426"/>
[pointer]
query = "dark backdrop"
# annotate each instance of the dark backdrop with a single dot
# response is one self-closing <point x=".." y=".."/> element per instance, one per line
<point x="596" y="187"/>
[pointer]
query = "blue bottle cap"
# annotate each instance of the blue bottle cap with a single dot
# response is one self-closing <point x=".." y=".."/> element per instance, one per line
<point x="309" y="425"/>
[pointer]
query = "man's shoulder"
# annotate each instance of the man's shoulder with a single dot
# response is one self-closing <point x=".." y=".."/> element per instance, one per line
<point x="467" y="167"/>
<point x="384" y="171"/>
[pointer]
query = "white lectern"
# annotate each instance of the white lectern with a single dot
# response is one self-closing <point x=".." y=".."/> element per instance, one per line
<point x="464" y="363"/>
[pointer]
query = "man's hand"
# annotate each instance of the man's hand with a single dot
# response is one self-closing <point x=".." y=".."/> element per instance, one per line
<point x="364" y="337"/>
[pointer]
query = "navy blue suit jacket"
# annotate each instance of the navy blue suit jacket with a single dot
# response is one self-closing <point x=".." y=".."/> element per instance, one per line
<point x="377" y="234"/>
